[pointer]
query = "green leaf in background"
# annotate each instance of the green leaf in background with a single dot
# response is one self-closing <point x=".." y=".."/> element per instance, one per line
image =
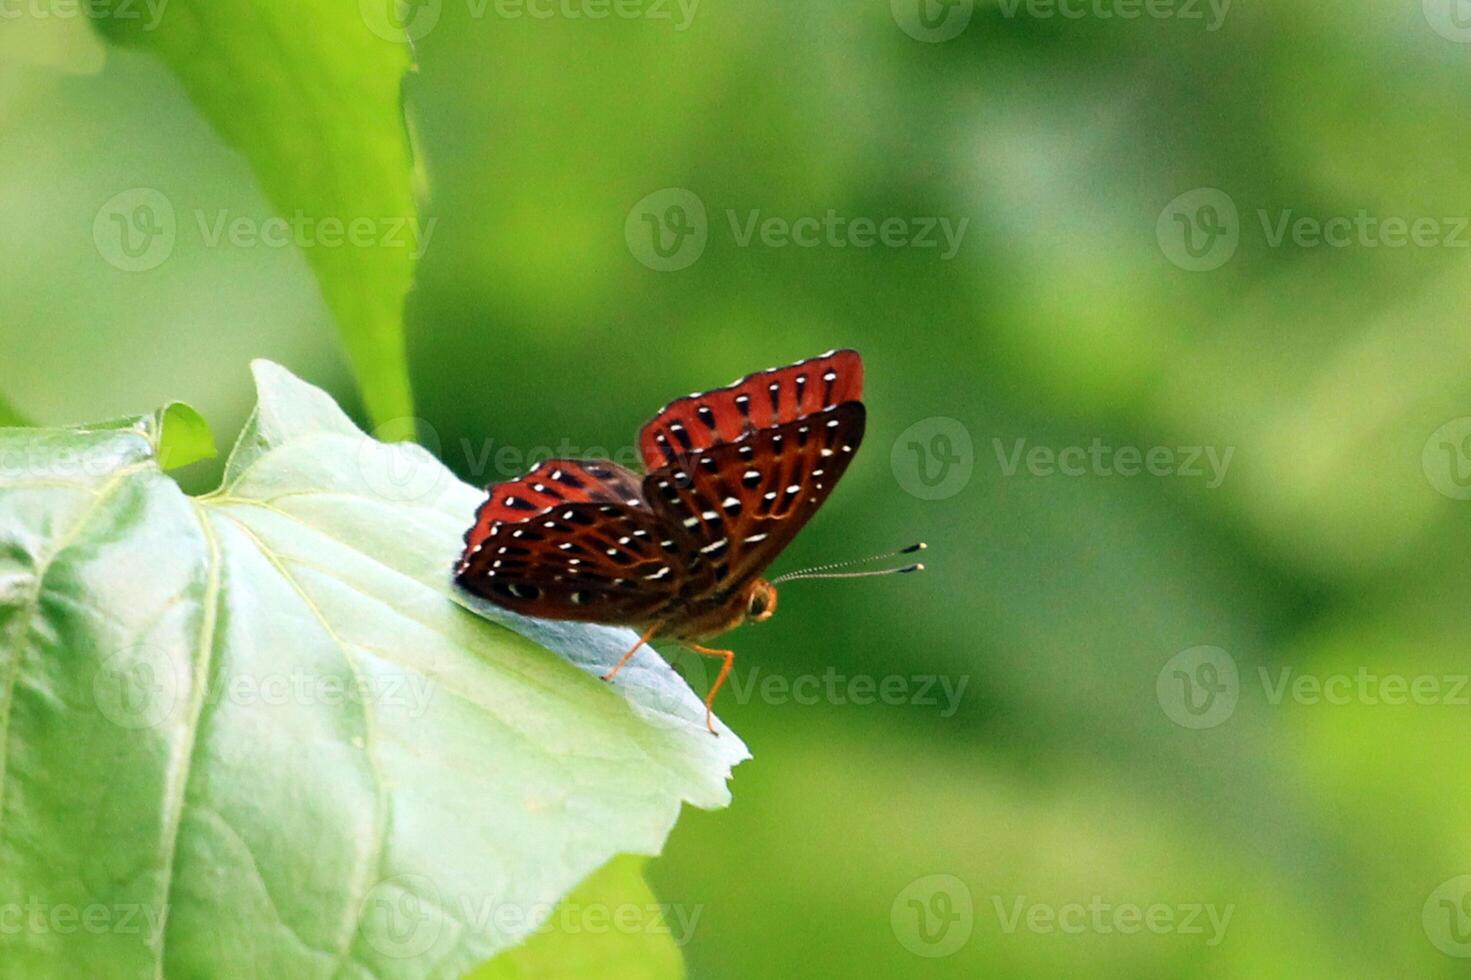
<point x="183" y="436"/>
<point x="610" y="926"/>
<point x="256" y="732"/>
<point x="310" y="94"/>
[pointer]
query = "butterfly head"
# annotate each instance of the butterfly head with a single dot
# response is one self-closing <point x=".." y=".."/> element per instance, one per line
<point x="760" y="601"/>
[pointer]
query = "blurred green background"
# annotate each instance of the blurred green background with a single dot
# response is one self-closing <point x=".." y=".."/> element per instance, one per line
<point x="1097" y="757"/>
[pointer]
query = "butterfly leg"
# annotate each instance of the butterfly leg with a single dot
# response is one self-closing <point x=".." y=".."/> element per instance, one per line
<point x="729" y="656"/>
<point x="648" y="635"/>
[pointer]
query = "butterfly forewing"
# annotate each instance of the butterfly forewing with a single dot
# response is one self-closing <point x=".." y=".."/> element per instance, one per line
<point x="744" y="501"/>
<point x="758" y="401"/>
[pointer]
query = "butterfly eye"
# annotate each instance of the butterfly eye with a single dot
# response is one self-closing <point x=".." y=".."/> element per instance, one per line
<point x="762" y="602"/>
<point x="757" y="607"/>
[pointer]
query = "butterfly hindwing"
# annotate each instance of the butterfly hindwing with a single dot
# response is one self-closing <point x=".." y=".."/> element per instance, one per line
<point x="743" y="502"/>
<point x="553" y="482"/>
<point x="572" y="539"/>
<point x="758" y="401"/>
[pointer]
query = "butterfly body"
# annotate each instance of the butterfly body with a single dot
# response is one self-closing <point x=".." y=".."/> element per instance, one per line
<point x="733" y="475"/>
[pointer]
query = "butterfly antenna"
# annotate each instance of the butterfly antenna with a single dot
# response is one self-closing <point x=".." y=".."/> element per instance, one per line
<point x="827" y="571"/>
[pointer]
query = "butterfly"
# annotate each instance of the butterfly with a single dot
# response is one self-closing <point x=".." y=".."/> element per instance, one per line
<point x="679" y="552"/>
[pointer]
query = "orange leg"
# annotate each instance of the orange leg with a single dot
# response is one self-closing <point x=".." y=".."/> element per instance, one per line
<point x="648" y="635"/>
<point x="729" y="656"/>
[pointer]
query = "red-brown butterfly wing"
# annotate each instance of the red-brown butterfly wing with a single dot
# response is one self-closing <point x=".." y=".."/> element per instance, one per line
<point x="553" y="482"/>
<point x="734" y="475"/>
<point x="573" y="539"/>
<point x="744" y="501"/>
<point x="758" y="401"/>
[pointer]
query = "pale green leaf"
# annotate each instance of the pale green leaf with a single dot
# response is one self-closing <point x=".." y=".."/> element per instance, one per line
<point x="260" y="734"/>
